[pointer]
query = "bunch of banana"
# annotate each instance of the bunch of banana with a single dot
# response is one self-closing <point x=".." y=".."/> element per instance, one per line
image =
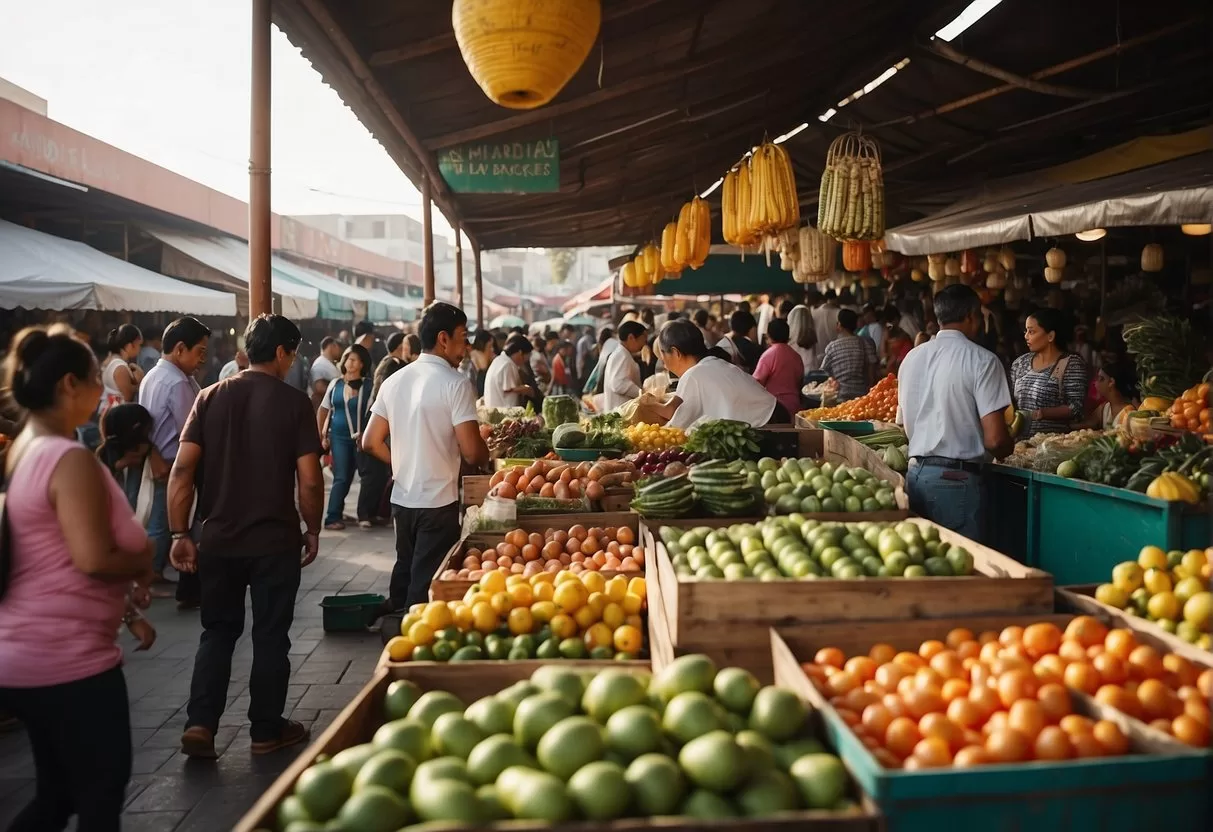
<point x="692" y="235"/>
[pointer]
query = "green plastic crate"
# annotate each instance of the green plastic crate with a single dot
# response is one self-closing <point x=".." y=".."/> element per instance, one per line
<point x="850" y="428"/>
<point x="350" y="613"/>
<point x="1079" y="530"/>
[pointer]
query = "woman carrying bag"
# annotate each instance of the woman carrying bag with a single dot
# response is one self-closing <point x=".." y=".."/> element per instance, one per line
<point x="343" y="415"/>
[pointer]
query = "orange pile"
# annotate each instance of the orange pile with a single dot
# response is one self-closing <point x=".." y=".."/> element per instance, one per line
<point x="1191" y="410"/>
<point x="878" y="403"/>
<point x="1002" y="697"/>
<point x="577" y="550"/>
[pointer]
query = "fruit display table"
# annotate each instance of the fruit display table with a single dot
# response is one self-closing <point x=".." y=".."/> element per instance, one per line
<point x="728" y="618"/>
<point x="497" y="740"/>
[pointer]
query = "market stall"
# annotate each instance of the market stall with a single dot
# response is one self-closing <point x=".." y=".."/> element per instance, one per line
<point x="643" y="568"/>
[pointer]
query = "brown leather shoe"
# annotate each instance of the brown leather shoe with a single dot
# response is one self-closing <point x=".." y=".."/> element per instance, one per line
<point x="198" y="742"/>
<point x="292" y="733"/>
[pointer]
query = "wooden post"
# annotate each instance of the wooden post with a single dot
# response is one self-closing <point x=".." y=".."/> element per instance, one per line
<point x="479" y="289"/>
<point x="260" y="295"/>
<point x="458" y="266"/>
<point x="427" y="238"/>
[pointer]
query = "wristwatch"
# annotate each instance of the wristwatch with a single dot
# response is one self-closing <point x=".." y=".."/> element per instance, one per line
<point x="180" y="535"/>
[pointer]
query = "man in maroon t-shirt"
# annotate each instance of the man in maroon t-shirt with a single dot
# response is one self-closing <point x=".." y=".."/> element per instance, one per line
<point x="250" y="440"/>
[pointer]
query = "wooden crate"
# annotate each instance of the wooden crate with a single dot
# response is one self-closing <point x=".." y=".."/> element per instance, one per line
<point x="698" y="610"/>
<point x="1080" y="599"/>
<point x="453" y="590"/>
<point x="360" y="719"/>
<point x="1117" y="794"/>
<point x="842" y="448"/>
<point x="476" y="488"/>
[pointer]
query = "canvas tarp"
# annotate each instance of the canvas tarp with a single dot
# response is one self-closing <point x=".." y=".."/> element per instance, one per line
<point x="41" y="271"/>
<point x="230" y="257"/>
<point x="1172" y="193"/>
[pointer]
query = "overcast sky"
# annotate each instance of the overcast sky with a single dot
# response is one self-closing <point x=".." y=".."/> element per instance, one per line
<point x="168" y="80"/>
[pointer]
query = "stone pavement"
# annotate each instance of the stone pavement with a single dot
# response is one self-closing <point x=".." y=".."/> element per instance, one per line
<point x="171" y="792"/>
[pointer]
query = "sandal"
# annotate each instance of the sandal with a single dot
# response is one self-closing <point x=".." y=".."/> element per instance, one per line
<point x="365" y="524"/>
<point x="335" y="527"/>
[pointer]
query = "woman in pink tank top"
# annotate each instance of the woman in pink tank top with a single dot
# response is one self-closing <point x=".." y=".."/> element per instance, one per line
<point x="74" y="549"/>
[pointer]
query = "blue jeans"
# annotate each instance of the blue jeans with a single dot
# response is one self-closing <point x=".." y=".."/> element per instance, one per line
<point x="947" y="496"/>
<point x="157" y="527"/>
<point x="345" y="464"/>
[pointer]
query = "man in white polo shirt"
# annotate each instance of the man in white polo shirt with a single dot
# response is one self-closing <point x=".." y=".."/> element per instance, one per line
<point x="952" y="394"/>
<point x="428" y="409"/>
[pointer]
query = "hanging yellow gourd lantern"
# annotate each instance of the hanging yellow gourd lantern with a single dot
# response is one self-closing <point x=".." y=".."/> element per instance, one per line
<point x="1151" y="258"/>
<point x="1055" y="258"/>
<point x="523" y="52"/>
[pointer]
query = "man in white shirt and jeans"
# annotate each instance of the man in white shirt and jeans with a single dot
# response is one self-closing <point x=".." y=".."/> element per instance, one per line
<point x="952" y="394"/>
<point x="428" y="409"/>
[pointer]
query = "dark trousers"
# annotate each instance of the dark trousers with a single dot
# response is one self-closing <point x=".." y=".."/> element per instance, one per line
<point x="424" y="536"/>
<point x="81" y="738"/>
<point x="273" y="581"/>
<point x="373" y="477"/>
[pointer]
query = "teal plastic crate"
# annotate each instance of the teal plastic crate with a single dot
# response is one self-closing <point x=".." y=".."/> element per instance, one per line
<point x="349" y="613"/>
<point x="1079" y="530"/>
<point x="850" y="428"/>
<point x="1005" y="518"/>
<point x="1134" y="793"/>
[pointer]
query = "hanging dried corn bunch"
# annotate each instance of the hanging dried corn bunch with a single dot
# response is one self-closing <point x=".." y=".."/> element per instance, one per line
<point x="692" y="235"/>
<point x="774" y="206"/>
<point x="851" y="201"/>
<point x="816" y="254"/>
<point x="736" y="197"/>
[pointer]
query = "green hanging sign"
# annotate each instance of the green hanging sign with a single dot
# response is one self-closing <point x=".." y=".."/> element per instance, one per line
<point x="530" y="167"/>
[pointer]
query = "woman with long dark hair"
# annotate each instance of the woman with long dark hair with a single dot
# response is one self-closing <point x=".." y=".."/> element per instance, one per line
<point x="73" y="551"/>
<point x="119" y="372"/>
<point x="344" y="412"/>
<point x="1048" y="383"/>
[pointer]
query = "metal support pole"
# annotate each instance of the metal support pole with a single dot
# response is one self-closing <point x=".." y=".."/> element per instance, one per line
<point x="479" y="289"/>
<point x="260" y="296"/>
<point x="427" y="238"/>
<point x="458" y="266"/>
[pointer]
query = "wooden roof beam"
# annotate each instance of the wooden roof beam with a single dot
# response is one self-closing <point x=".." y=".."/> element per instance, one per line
<point x="946" y="51"/>
<point x="442" y="42"/>
<point x="1047" y="72"/>
<point x="603" y="95"/>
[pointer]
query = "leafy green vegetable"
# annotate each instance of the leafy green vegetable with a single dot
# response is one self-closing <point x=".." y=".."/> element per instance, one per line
<point x="724" y="439"/>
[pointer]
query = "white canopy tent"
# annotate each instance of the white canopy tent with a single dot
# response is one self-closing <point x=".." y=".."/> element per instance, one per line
<point x="230" y="257"/>
<point x="42" y="271"/>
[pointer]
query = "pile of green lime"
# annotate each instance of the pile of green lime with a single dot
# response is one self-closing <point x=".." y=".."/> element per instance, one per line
<point x="571" y="744"/>
<point x="797" y="547"/>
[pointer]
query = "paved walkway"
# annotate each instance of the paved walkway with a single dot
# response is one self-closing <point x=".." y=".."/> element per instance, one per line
<point x="167" y="790"/>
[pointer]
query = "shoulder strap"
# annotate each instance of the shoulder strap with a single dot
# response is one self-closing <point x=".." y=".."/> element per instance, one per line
<point x="1059" y="369"/>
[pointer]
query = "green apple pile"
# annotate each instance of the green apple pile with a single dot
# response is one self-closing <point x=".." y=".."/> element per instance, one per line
<point x="570" y="744"/>
<point x="795" y="547"/>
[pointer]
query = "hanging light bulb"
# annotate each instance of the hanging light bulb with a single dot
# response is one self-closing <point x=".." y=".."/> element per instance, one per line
<point x="1092" y="235"/>
<point x="1201" y="229"/>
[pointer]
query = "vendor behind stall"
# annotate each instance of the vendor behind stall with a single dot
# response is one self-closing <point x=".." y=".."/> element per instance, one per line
<point x="710" y="387"/>
<point x="1050" y="385"/>
<point x="621" y="375"/>
<point x="504" y="385"/>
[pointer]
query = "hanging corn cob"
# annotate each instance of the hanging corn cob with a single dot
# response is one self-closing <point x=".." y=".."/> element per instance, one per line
<point x="728" y="208"/>
<point x="683" y="243"/>
<point x="851" y="199"/>
<point x="628" y="274"/>
<point x="789" y="251"/>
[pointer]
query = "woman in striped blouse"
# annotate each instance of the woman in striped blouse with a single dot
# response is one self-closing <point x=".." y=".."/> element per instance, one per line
<point x="1049" y="384"/>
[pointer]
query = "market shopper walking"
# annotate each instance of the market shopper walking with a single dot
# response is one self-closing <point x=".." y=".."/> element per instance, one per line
<point x="168" y="393"/>
<point x="324" y="368"/>
<point x="253" y="444"/>
<point x="849" y="359"/>
<point x="952" y="394"/>
<point x="428" y="410"/>
<point x="343" y="414"/>
<point x="72" y="553"/>
<point x="119" y="372"/>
